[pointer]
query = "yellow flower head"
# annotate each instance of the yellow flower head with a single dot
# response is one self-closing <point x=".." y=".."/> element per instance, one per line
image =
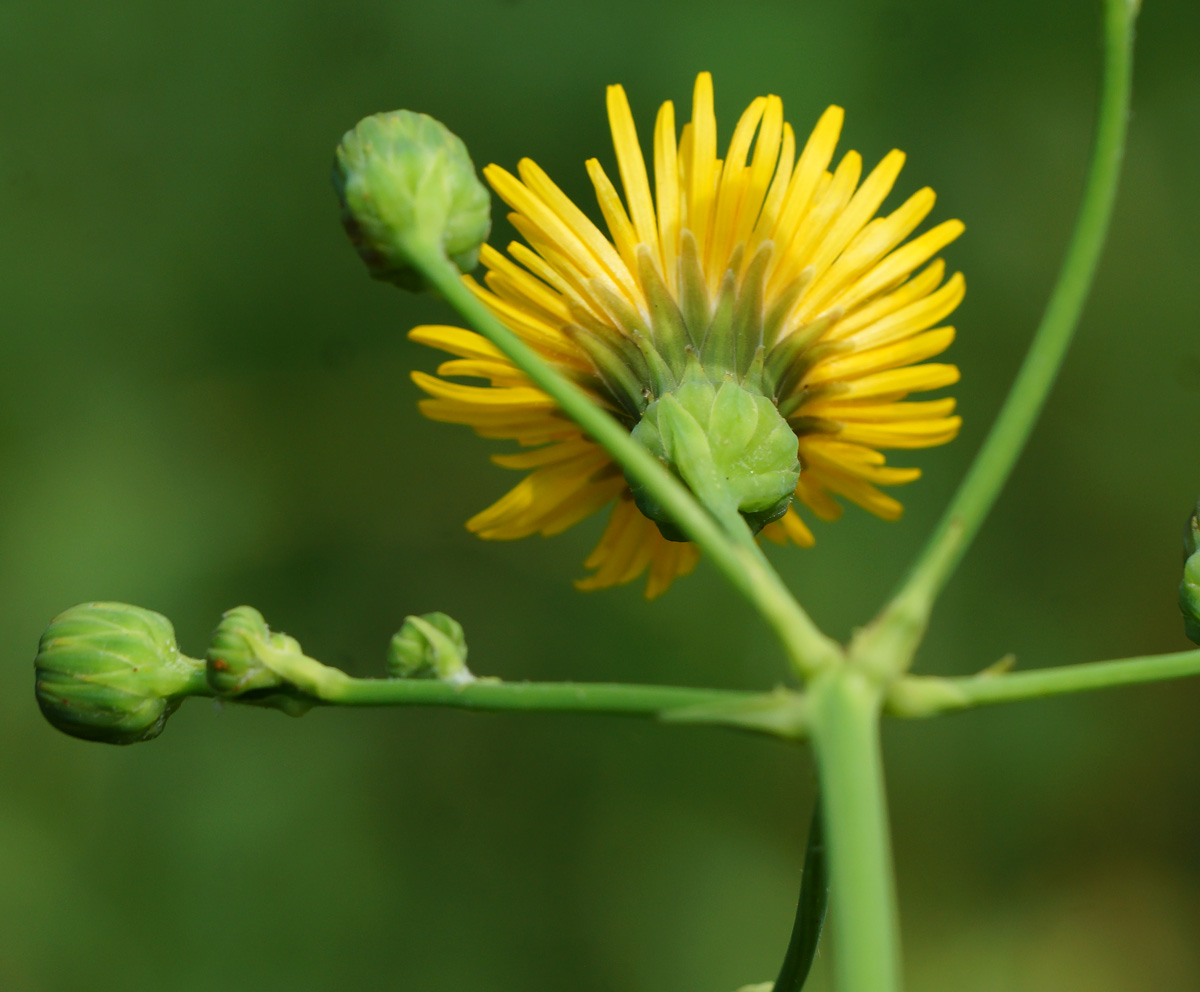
<point x="763" y="271"/>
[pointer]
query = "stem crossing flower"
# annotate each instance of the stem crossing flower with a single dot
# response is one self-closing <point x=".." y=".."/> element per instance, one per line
<point x="756" y="299"/>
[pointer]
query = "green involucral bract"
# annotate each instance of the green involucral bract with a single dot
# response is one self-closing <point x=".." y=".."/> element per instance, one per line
<point x="1189" y="587"/>
<point x="407" y="187"/>
<point x="728" y="443"/>
<point x="431" y="646"/>
<point x="112" y="672"/>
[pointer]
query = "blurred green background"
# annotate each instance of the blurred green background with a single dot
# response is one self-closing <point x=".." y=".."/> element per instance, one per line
<point x="204" y="402"/>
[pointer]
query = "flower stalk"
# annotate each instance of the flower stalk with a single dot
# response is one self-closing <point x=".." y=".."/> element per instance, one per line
<point x="1009" y="433"/>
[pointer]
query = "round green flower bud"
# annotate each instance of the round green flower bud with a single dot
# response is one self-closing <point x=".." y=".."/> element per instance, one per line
<point x="112" y="672"/>
<point x="1189" y="587"/>
<point x="431" y="646"/>
<point x="408" y="187"/>
<point x="729" y="445"/>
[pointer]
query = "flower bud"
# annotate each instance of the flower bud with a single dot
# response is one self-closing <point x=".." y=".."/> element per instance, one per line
<point x="1189" y="587"/>
<point x="407" y="187"/>
<point x="251" y="663"/>
<point x="431" y="646"/>
<point x="112" y="672"/>
<point x="235" y="657"/>
<point x="728" y="444"/>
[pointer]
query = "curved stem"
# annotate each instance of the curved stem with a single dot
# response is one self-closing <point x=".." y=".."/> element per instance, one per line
<point x="995" y="461"/>
<point x="810" y="911"/>
<point x="744" y="566"/>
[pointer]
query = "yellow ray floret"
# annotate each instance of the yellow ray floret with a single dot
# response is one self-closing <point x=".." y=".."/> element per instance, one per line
<point x="841" y="306"/>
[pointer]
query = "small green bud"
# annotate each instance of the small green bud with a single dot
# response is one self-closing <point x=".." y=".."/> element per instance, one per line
<point x="235" y="657"/>
<point x="407" y="188"/>
<point x="251" y="663"/>
<point x="728" y="444"/>
<point x="112" y="672"/>
<point x="431" y="646"/>
<point x="1189" y="586"/>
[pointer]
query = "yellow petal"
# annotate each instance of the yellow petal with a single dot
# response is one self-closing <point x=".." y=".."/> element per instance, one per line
<point x="907" y="434"/>
<point x="907" y="352"/>
<point x="874" y="241"/>
<point x="632" y="166"/>
<point x="700" y="165"/>
<point x="913" y="318"/>
<point x="500" y="373"/>
<point x="666" y="188"/>
<point x="624" y="236"/>
<point x="806" y="177"/>
<point x="899" y="382"/>
<point x="527" y="397"/>
<point x="555" y="453"/>
<point x="810" y="492"/>
<point x="899" y="263"/>
<point x="466" y="344"/>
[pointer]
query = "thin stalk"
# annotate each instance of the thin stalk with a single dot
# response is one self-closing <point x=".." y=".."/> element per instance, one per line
<point x="810" y="911"/>
<point x="996" y="459"/>
<point x="929" y="696"/>
<point x="845" y="707"/>
<point x="744" y="566"/>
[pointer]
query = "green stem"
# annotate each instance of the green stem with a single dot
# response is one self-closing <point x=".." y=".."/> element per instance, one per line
<point x="929" y="696"/>
<point x="999" y="454"/>
<point x="781" y="713"/>
<point x="560" y="697"/>
<point x="845" y="707"/>
<point x="745" y="567"/>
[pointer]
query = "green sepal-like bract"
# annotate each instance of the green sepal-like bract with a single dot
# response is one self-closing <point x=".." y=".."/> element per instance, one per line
<point x="1189" y="586"/>
<point x="431" y="646"/>
<point x="728" y="444"/>
<point x="112" y="672"/>
<point x="407" y="186"/>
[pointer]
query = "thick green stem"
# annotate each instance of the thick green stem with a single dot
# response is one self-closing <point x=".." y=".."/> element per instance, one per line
<point x="733" y="554"/>
<point x="1009" y="433"/>
<point x="845" y="707"/>
<point x="928" y="696"/>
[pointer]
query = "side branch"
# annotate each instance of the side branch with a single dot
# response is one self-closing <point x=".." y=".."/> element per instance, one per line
<point x="918" y="696"/>
<point x="781" y="713"/>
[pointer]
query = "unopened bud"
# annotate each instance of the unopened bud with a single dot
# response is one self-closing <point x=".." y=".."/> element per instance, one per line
<point x="1189" y="587"/>
<point x="112" y="672"/>
<point x="728" y="444"/>
<point x="236" y="656"/>
<point x="251" y="663"/>
<point x="407" y="186"/>
<point x="431" y="646"/>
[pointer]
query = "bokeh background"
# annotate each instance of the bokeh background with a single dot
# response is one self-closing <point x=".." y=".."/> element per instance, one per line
<point x="205" y="402"/>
